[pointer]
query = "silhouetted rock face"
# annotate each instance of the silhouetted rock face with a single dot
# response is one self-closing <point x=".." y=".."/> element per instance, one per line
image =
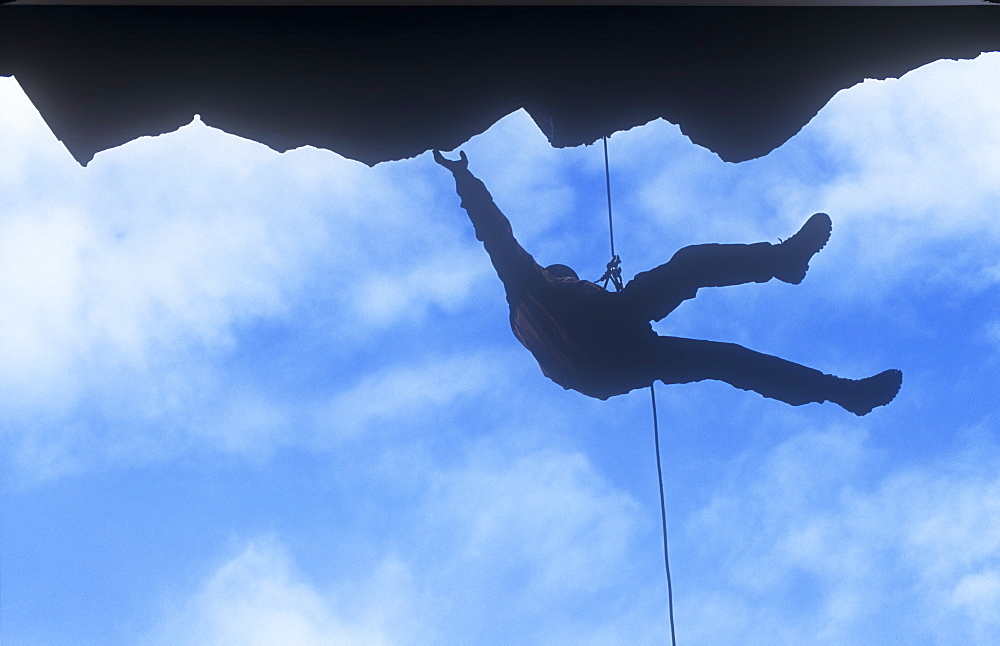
<point x="377" y="84"/>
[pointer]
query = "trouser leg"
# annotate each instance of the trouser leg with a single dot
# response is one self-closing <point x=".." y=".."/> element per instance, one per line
<point x="655" y="293"/>
<point x="678" y="360"/>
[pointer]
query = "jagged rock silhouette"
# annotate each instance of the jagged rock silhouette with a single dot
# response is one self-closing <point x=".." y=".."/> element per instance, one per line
<point x="385" y="83"/>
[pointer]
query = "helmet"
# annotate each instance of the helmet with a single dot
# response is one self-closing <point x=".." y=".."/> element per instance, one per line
<point x="561" y="271"/>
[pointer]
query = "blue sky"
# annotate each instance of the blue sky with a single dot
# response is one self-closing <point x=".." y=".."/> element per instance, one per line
<point x="258" y="398"/>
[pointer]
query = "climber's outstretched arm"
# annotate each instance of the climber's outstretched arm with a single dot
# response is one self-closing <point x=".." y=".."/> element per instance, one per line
<point x="515" y="266"/>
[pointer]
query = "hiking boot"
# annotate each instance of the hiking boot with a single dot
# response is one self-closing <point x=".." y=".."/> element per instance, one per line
<point x="794" y="254"/>
<point x="860" y="396"/>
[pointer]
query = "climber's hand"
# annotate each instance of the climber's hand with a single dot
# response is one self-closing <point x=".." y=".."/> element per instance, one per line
<point x="452" y="165"/>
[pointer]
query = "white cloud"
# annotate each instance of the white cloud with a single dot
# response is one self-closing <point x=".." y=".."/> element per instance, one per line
<point x="817" y="557"/>
<point x="401" y="393"/>
<point x="124" y="285"/>
<point x="118" y="267"/>
<point x="23" y="162"/>
<point x="550" y="508"/>
<point x="258" y="598"/>
<point x="915" y="191"/>
<point x="383" y="299"/>
<point x="531" y="549"/>
<point x="120" y="283"/>
<point x="978" y="595"/>
<point x="540" y="549"/>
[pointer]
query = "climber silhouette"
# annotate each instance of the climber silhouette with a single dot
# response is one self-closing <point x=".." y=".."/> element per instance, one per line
<point x="602" y="344"/>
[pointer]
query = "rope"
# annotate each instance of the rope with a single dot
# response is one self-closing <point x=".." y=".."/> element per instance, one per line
<point x="663" y="516"/>
<point x="614" y="274"/>
<point x="607" y="182"/>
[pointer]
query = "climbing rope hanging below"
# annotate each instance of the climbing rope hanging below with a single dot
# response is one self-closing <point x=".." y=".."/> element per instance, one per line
<point x="614" y="274"/>
<point x="663" y="516"/>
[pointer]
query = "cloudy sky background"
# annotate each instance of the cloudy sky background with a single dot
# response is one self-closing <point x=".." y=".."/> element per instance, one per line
<point x="258" y="398"/>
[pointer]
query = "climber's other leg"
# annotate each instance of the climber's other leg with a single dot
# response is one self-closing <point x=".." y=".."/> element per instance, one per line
<point x="655" y="293"/>
<point x="679" y="360"/>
